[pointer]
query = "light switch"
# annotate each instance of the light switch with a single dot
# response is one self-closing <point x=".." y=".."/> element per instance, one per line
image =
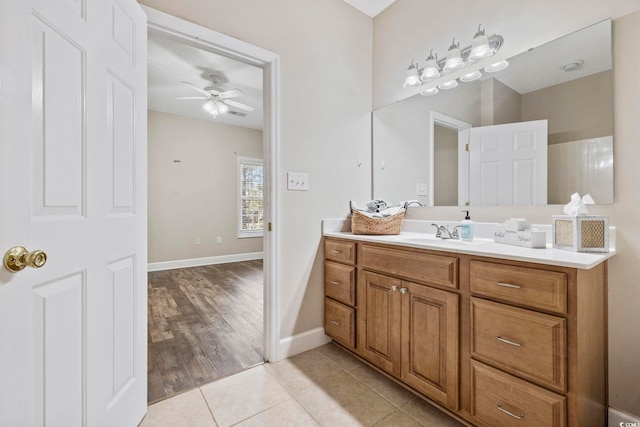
<point x="297" y="181"/>
<point x="422" y="189"/>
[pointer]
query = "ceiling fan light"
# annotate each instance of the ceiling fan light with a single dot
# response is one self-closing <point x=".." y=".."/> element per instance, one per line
<point x="448" y="85"/>
<point x="223" y="108"/>
<point x="209" y="107"/>
<point x="480" y="48"/>
<point x="412" y="78"/>
<point x="498" y="66"/>
<point x="469" y="77"/>
<point x="454" y="58"/>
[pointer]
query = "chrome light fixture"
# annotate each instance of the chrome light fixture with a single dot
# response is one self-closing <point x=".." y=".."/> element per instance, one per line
<point x="481" y="48"/>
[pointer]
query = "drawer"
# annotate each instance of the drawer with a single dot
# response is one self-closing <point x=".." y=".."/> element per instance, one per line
<point x="523" y="342"/>
<point x="542" y="289"/>
<point x="336" y="250"/>
<point x="339" y="322"/>
<point x="339" y="282"/>
<point x="432" y="269"/>
<point x="499" y="399"/>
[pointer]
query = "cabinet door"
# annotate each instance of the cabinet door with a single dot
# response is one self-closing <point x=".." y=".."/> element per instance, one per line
<point x="379" y="320"/>
<point x="430" y="342"/>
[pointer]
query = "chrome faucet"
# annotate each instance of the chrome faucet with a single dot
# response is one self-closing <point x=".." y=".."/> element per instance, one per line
<point x="442" y="232"/>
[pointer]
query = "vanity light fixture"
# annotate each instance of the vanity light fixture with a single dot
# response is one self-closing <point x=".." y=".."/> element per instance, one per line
<point x="482" y="47"/>
<point x="430" y="91"/>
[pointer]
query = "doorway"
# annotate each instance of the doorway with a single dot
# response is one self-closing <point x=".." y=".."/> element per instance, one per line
<point x="210" y="41"/>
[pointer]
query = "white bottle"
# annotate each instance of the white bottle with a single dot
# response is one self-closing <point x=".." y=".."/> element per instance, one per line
<point x="466" y="229"/>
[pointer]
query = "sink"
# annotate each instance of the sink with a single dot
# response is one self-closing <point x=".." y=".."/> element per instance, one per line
<point x="432" y="240"/>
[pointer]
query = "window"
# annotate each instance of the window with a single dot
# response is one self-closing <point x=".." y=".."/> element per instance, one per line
<point x="251" y="209"/>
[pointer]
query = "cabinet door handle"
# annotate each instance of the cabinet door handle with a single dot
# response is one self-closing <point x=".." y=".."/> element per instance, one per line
<point x="394" y="288"/>
<point x="403" y="291"/>
<point x="506" y="341"/>
<point x="511" y="414"/>
<point x="336" y="251"/>
<point x="334" y="282"/>
<point x="335" y="322"/>
<point x="509" y="285"/>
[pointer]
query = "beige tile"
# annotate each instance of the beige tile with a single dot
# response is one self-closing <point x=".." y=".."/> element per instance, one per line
<point x="288" y="413"/>
<point x="303" y="371"/>
<point x="184" y="410"/>
<point x="428" y="415"/>
<point x="243" y="395"/>
<point x="396" y="394"/>
<point x="398" y="419"/>
<point x="340" y="356"/>
<point x="345" y="401"/>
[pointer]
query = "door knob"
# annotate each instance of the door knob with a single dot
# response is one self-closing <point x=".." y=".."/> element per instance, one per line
<point x="18" y="257"/>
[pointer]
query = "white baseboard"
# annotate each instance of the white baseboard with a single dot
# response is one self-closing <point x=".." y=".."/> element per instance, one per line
<point x="618" y="418"/>
<point x="196" y="262"/>
<point x="300" y="343"/>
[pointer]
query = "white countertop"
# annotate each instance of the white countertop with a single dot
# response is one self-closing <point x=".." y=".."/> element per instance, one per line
<point x="481" y="246"/>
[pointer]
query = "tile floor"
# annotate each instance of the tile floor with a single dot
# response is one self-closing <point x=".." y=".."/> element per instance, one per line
<point x="321" y="387"/>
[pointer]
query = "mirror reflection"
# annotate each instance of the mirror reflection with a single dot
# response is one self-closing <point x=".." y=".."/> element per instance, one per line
<point x="533" y="133"/>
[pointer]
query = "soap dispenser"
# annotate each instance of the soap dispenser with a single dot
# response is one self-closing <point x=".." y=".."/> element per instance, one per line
<point x="466" y="229"/>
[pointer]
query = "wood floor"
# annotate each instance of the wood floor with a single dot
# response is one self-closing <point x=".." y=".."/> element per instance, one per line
<point x="205" y="323"/>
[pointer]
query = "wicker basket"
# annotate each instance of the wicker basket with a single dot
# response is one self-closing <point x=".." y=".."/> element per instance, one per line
<point x="362" y="224"/>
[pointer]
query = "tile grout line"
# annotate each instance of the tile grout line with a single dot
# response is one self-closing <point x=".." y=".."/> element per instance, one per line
<point x="206" y="402"/>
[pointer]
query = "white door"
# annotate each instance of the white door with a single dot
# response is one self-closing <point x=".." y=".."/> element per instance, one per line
<point x="508" y="164"/>
<point x="73" y="184"/>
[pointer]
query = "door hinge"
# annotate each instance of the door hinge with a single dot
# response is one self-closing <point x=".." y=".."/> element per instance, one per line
<point x="466" y="147"/>
<point x="270" y="227"/>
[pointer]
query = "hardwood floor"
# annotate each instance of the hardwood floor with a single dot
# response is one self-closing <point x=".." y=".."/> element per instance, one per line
<point x="205" y="323"/>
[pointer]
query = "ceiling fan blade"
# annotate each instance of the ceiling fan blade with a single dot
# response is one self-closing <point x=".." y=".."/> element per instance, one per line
<point x="191" y="97"/>
<point x="237" y="104"/>
<point x="231" y="93"/>
<point x="202" y="91"/>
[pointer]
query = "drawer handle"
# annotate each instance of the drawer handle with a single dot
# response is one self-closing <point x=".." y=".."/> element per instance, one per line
<point x="335" y="322"/>
<point x="506" y="341"/>
<point x="511" y="414"/>
<point x="394" y="288"/>
<point x="333" y="282"/>
<point x="336" y="251"/>
<point x="509" y="285"/>
<point x="403" y="291"/>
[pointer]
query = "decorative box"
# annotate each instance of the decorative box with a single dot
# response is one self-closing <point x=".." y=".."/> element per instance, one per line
<point x="582" y="233"/>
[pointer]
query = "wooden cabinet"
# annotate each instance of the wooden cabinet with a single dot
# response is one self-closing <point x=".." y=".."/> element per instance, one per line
<point x="497" y="342"/>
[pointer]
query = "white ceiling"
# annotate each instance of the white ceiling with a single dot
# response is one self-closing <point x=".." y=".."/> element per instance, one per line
<point x="370" y="7"/>
<point x="171" y="61"/>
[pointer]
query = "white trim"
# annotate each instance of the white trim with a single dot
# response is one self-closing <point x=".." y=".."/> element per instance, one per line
<point x="270" y="63"/>
<point x="197" y="262"/>
<point x="290" y="346"/>
<point x="620" y="418"/>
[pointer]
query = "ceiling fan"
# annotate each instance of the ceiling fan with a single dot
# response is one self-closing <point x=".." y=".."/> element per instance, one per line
<point x="218" y="100"/>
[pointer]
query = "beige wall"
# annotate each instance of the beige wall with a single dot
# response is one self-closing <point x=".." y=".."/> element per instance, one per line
<point x="325" y="49"/>
<point x="579" y="109"/>
<point x="402" y="32"/>
<point x="196" y="198"/>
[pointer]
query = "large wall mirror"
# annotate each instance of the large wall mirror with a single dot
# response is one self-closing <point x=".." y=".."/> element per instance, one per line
<point x="531" y="134"/>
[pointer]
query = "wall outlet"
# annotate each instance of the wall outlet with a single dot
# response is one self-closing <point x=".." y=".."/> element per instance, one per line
<point x="297" y="181"/>
<point x="197" y="241"/>
<point x="219" y="239"/>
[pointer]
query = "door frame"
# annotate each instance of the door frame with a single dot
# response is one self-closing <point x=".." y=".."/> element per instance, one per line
<point x="436" y="118"/>
<point x="270" y="63"/>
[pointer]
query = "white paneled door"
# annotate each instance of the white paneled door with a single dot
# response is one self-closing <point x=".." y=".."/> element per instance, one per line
<point x="73" y="184"/>
<point x="508" y="164"/>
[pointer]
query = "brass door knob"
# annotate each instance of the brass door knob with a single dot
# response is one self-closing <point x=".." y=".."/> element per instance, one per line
<point x="18" y="257"/>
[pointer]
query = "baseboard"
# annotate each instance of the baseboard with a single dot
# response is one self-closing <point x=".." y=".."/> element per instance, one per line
<point x="196" y="262"/>
<point x="619" y="418"/>
<point x="300" y="343"/>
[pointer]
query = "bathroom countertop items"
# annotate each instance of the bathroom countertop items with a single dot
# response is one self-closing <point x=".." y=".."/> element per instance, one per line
<point x="518" y="232"/>
<point x="377" y="209"/>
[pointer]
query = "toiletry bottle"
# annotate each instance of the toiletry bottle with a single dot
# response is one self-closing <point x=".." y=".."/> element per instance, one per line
<point x="466" y="229"/>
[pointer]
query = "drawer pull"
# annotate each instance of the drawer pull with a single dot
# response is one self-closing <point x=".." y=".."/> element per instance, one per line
<point x="334" y="282"/>
<point x="336" y="251"/>
<point x="403" y="291"/>
<point x="335" y="322"/>
<point x="509" y="285"/>
<point x="394" y="288"/>
<point x="511" y="414"/>
<point x="506" y="341"/>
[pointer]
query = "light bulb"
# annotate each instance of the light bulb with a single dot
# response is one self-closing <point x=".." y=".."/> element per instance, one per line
<point x="430" y="71"/>
<point x="412" y="77"/>
<point x="429" y="92"/>
<point x="469" y="77"/>
<point x="209" y="107"/>
<point x="223" y="108"/>
<point x="480" y="48"/>
<point x="448" y="85"/>
<point x="454" y="59"/>
<point x="498" y="66"/>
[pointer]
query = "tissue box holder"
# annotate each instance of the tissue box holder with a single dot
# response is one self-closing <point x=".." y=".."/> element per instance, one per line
<point x="583" y="233"/>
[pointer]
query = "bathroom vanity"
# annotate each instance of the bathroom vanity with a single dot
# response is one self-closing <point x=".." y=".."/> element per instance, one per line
<point x="497" y="335"/>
